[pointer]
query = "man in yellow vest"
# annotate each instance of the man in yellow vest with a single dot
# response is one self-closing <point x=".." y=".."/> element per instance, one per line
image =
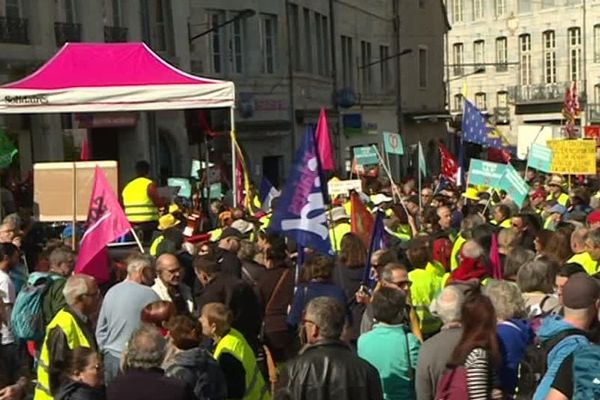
<point x="141" y="201"/>
<point x="581" y="255"/>
<point x="501" y="216"/>
<point x="339" y="227"/>
<point x="234" y="354"/>
<point x="555" y="189"/>
<point x="71" y="327"/>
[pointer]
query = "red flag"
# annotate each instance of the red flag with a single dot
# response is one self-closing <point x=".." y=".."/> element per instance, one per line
<point x="501" y="156"/>
<point x="324" y="143"/>
<point x="84" y="155"/>
<point x="361" y="220"/>
<point x="106" y="222"/>
<point x="449" y="165"/>
<point x="495" y="262"/>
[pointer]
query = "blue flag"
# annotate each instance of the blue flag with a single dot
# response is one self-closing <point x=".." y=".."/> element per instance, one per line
<point x="300" y="212"/>
<point x="267" y="193"/>
<point x="475" y="129"/>
<point x="377" y="237"/>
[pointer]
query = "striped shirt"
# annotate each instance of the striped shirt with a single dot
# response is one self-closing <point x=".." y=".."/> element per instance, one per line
<point x="478" y="374"/>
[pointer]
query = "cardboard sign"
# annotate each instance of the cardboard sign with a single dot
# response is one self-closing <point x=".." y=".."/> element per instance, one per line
<point x="184" y="185"/>
<point x="393" y="143"/>
<point x="576" y="157"/>
<point x="486" y="173"/>
<point x="343" y="187"/>
<point x="540" y="157"/>
<point x="54" y="184"/>
<point x="514" y="185"/>
<point x="365" y="155"/>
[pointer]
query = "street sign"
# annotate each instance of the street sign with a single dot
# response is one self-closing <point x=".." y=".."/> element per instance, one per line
<point x="540" y="157"/>
<point x="393" y="143"/>
<point x="365" y="155"/>
<point x="485" y="173"/>
<point x="514" y="185"/>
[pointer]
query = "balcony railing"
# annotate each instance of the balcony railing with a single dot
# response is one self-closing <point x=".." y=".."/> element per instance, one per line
<point x="543" y="93"/>
<point x="114" y="34"/>
<point x="66" y="32"/>
<point x="14" y="30"/>
<point x="593" y="111"/>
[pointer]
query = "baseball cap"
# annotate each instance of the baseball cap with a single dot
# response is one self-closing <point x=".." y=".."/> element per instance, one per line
<point x="230" y="232"/>
<point x="558" y="209"/>
<point x="593" y="217"/>
<point x="580" y="291"/>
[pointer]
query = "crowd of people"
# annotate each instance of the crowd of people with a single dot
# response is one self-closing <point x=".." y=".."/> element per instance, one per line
<point x="474" y="298"/>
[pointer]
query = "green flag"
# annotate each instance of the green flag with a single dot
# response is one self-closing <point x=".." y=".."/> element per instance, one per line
<point x="422" y="165"/>
<point x="7" y="150"/>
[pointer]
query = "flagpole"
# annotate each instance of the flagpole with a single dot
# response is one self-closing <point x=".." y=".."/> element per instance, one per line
<point x="137" y="240"/>
<point x="419" y="172"/>
<point x="74" y="199"/>
<point x="394" y="188"/>
<point x="233" y="158"/>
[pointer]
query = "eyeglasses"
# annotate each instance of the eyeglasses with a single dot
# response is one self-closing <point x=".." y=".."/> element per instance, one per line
<point x="403" y="284"/>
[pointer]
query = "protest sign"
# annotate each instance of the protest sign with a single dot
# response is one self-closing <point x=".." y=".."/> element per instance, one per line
<point x="365" y="155"/>
<point x="393" y="143"/>
<point x="343" y="187"/>
<point x="485" y="173"/>
<point x="576" y="157"/>
<point x="184" y="185"/>
<point x="514" y="185"/>
<point x="540" y="157"/>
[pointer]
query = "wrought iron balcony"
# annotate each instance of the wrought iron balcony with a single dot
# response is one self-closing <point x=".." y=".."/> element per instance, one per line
<point x="14" y="30"/>
<point x="114" y="34"/>
<point x="66" y="32"/>
<point x="543" y="93"/>
<point x="593" y="111"/>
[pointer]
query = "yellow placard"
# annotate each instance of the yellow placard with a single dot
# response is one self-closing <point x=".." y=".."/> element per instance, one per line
<point x="576" y="157"/>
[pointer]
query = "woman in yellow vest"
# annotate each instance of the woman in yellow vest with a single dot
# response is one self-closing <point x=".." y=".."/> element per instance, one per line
<point x="234" y="354"/>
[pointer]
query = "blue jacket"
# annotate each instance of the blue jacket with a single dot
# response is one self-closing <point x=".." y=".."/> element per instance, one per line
<point x="552" y="326"/>
<point x="513" y="336"/>
<point x="305" y="292"/>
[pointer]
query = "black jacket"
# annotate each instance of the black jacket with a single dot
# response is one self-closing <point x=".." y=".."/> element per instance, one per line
<point x="327" y="370"/>
<point x="139" y="384"/>
<point x="72" y="390"/>
<point x="201" y="372"/>
<point x="229" y="262"/>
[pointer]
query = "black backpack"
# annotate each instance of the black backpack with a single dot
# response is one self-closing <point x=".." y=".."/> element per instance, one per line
<point x="532" y="368"/>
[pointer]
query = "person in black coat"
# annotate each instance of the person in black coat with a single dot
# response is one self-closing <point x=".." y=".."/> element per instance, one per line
<point x="82" y="379"/>
<point x="143" y="378"/>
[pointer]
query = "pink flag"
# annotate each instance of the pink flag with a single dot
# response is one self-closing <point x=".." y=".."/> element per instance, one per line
<point x="106" y="222"/>
<point x="495" y="262"/>
<point x="324" y="143"/>
<point x="85" y="150"/>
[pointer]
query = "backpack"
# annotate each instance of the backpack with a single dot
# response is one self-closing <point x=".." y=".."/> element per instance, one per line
<point x="532" y="368"/>
<point x="586" y="372"/>
<point x="452" y="385"/>
<point x="27" y="318"/>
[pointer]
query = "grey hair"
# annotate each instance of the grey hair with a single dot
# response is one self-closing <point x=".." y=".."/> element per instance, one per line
<point x="516" y="259"/>
<point x="447" y="305"/>
<point x="14" y="220"/>
<point x="594" y="236"/>
<point x="506" y="298"/>
<point x="328" y="314"/>
<point x="60" y="255"/>
<point x="472" y="249"/>
<point x="471" y="221"/>
<point x="146" y="348"/>
<point x="247" y="250"/>
<point x="75" y="287"/>
<point x="137" y="261"/>
<point x="388" y="271"/>
<point x="536" y="275"/>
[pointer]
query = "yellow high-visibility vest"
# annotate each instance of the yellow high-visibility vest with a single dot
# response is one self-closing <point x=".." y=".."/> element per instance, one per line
<point x="586" y="261"/>
<point x="138" y="205"/>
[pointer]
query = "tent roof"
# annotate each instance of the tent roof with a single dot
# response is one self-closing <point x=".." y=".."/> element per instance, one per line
<point x="111" y="77"/>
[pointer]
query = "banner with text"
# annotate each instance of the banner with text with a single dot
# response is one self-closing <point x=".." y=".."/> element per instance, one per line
<point x="343" y="187"/>
<point x="514" y="185"/>
<point x="485" y="173"/>
<point x="365" y="155"/>
<point x="540" y="157"/>
<point x="576" y="157"/>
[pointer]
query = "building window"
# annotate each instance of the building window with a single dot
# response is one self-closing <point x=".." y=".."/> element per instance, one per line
<point x="574" y="41"/>
<point x="547" y="3"/>
<point x="458" y="58"/>
<point x="500" y="7"/>
<point x="365" y="59"/>
<point x="117" y="13"/>
<point x="480" y="101"/>
<point x="502" y="99"/>
<point x="423" y="68"/>
<point x="295" y="36"/>
<point x="326" y="45"/>
<point x="477" y="9"/>
<point x="71" y="11"/>
<point x="501" y="54"/>
<point x="384" y="68"/>
<point x="525" y="59"/>
<point x="347" y="62"/>
<point x="236" y="46"/>
<point x="308" y="55"/>
<point x="597" y="94"/>
<point x="322" y="43"/>
<point x="458" y="102"/>
<point x="13" y="9"/>
<point x="549" y="44"/>
<point x="421" y="4"/>
<point x="479" y="54"/>
<point x="597" y="43"/>
<point x="524" y="6"/>
<point x="216" y="41"/>
<point x="457" y="10"/>
<point x="268" y="28"/>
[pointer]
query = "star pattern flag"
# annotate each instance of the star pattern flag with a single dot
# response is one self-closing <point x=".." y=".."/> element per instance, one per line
<point x="267" y="193"/>
<point x="361" y="220"/>
<point x="475" y="128"/>
<point x="449" y="165"/>
<point x="300" y="211"/>
<point x="106" y="222"/>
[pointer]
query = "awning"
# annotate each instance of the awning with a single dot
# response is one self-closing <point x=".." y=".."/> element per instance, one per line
<point x="96" y="77"/>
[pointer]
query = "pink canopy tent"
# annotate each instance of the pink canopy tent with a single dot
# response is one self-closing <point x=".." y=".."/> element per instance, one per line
<point x="97" y="77"/>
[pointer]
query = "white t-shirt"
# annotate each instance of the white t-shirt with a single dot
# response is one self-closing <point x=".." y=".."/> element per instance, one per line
<point x="8" y="295"/>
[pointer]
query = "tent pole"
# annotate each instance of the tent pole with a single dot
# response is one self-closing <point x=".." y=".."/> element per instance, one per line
<point x="233" y="158"/>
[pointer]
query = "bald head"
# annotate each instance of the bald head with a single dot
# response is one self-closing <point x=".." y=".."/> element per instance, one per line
<point x="578" y="240"/>
<point x="448" y="304"/>
<point x="168" y="269"/>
